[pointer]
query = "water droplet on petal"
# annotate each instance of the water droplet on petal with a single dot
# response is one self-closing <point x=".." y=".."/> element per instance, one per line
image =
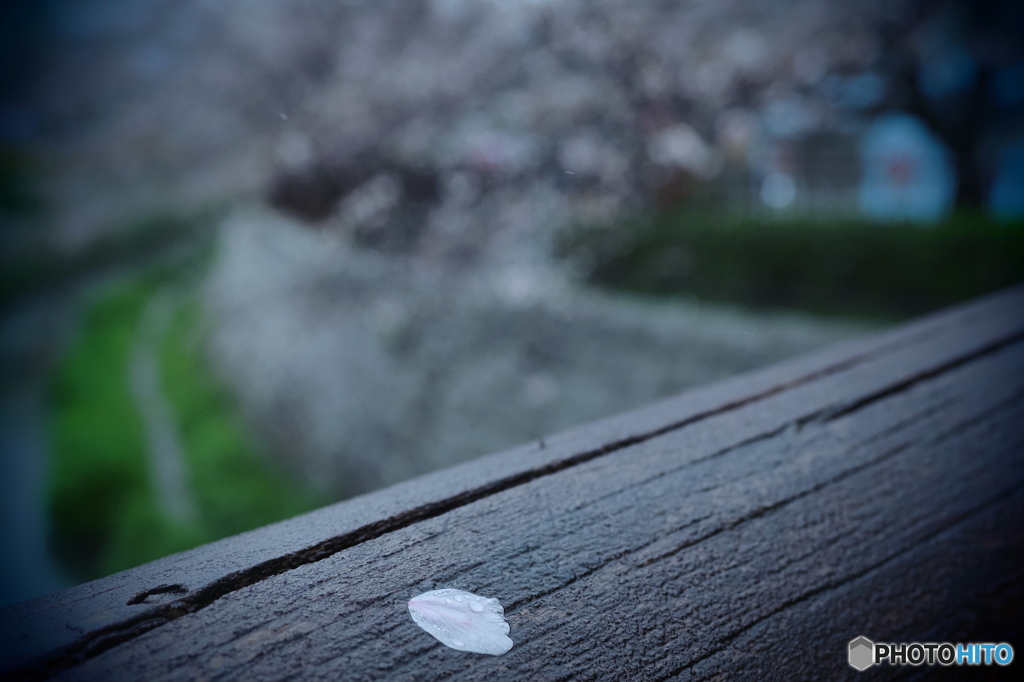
<point x="465" y="624"/>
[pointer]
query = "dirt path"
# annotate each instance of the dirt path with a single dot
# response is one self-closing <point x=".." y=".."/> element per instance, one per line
<point x="164" y="450"/>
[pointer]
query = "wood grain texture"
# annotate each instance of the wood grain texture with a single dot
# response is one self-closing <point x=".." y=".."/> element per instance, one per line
<point x="745" y="530"/>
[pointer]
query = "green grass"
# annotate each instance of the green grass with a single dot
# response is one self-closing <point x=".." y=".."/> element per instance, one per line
<point x="845" y="267"/>
<point x="102" y="505"/>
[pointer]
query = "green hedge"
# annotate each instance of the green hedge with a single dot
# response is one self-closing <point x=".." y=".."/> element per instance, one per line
<point x="836" y="267"/>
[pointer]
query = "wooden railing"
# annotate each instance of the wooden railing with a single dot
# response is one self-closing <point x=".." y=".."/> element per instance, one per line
<point x="748" y="529"/>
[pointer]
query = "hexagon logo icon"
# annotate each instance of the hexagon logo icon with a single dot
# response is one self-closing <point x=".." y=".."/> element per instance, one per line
<point x="862" y="653"/>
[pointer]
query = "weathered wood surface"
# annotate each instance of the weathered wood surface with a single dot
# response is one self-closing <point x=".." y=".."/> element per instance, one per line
<point x="745" y="530"/>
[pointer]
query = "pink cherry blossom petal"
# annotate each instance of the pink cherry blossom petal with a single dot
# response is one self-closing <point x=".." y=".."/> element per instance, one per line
<point x="462" y="620"/>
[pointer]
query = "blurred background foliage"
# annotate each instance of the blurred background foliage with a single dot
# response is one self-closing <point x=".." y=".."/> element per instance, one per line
<point x="398" y="234"/>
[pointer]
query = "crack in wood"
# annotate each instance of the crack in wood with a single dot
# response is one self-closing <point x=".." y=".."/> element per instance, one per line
<point x="95" y="642"/>
<point x="819" y="417"/>
<point x="853" y="577"/>
<point x="516" y="606"/>
<point x="98" y="641"/>
<point x="159" y="591"/>
<point x="951" y="428"/>
<point x="778" y="504"/>
<point x="828" y="416"/>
